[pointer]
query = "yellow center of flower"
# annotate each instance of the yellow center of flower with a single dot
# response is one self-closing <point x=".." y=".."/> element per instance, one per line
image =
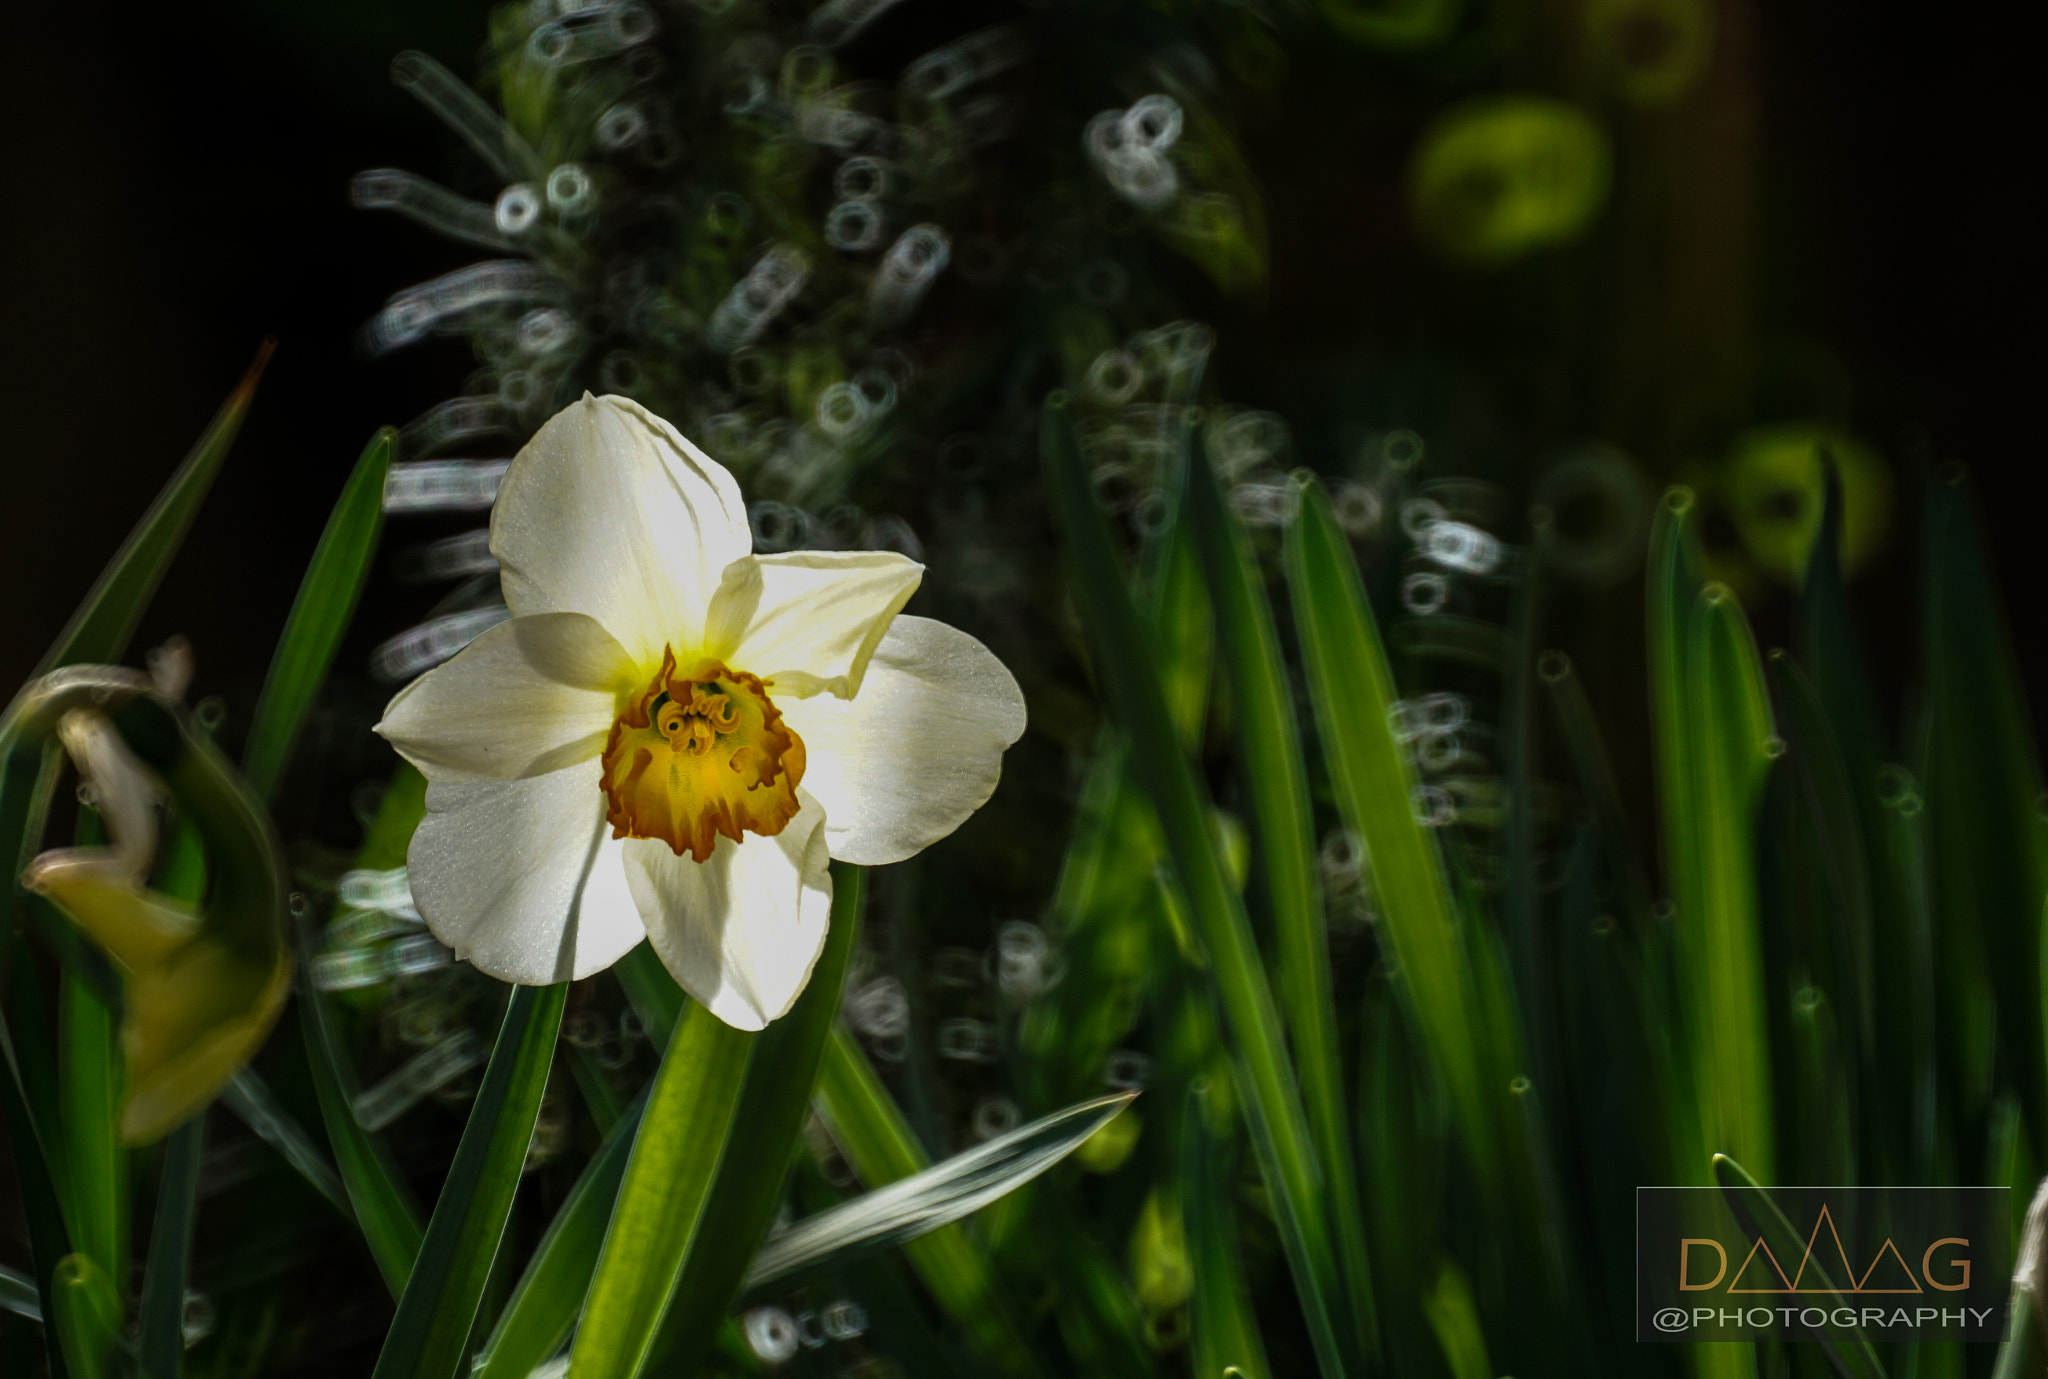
<point x="698" y="755"/>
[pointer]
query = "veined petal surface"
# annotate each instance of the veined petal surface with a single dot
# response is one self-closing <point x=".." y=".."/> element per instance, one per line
<point x="742" y="931"/>
<point x="523" y="878"/>
<point x="529" y="696"/>
<point x="904" y="762"/>
<point x="807" y="621"/>
<point x="609" y="511"/>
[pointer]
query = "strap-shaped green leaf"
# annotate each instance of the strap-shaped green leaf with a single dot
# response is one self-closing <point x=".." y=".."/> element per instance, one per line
<point x="743" y="1200"/>
<point x="1277" y="782"/>
<point x="544" y="1303"/>
<point x="1848" y="1350"/>
<point x="1279" y="1130"/>
<point x="384" y="1207"/>
<point x="663" y="1196"/>
<point x="161" y="1342"/>
<point x="1352" y="691"/>
<point x="320" y="615"/>
<point x="437" y="1311"/>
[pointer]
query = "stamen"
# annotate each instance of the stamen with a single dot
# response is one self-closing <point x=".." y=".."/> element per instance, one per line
<point x="699" y="756"/>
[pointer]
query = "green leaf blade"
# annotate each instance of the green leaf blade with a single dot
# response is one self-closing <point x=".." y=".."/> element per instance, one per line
<point x="1352" y="691"/>
<point x="161" y="1343"/>
<point x="1278" y="783"/>
<point x="437" y="1311"/>
<point x="544" y="1302"/>
<point x="1278" y="1125"/>
<point x="320" y="615"/>
<point x="663" y="1194"/>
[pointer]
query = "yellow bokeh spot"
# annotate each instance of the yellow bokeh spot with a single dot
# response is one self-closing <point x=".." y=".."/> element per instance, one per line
<point x="1497" y="178"/>
<point x="1774" y="488"/>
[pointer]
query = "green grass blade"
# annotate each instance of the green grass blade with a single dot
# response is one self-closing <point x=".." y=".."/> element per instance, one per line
<point x="1672" y="584"/>
<point x="1732" y="743"/>
<point x="49" y="1238"/>
<point x="1353" y="694"/>
<point x="543" y="1306"/>
<point x="1278" y="784"/>
<point x="90" y="1078"/>
<point x="100" y="629"/>
<point x="774" y="1103"/>
<point x="915" y="1206"/>
<point x="743" y="1200"/>
<point x="437" y="1311"/>
<point x="1279" y="1129"/>
<point x="1848" y="1350"/>
<point x="384" y="1207"/>
<point x="1983" y="787"/>
<point x="250" y="1098"/>
<point x="1455" y="1318"/>
<point x="1224" y="1330"/>
<point x="320" y="615"/>
<point x="87" y="1319"/>
<point x="161" y="1339"/>
<point x="879" y="1144"/>
<point x="1821" y="768"/>
<point x="663" y="1195"/>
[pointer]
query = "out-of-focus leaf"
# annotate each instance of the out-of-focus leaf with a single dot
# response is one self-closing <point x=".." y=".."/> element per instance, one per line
<point x="1225" y="1332"/>
<point x="320" y="615"/>
<point x="663" y="1195"/>
<point x="1982" y="783"/>
<point x="1353" y="694"/>
<point x="49" y="1239"/>
<point x="161" y="1342"/>
<point x="1277" y="781"/>
<point x="1760" y="1218"/>
<point x="250" y="1098"/>
<point x="1731" y="744"/>
<point x="437" y="1310"/>
<point x="1455" y="1319"/>
<point x="910" y="1207"/>
<point x="1279" y="1130"/>
<point x="86" y="1318"/>
<point x="89" y="1069"/>
<point x="384" y="1206"/>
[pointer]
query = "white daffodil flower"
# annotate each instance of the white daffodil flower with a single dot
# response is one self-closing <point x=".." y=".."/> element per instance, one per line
<point x="672" y="735"/>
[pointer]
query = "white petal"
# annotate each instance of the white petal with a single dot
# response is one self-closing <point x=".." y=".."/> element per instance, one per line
<point x="904" y="762"/>
<point x="741" y="931"/>
<point x="809" y="620"/>
<point x="522" y="877"/>
<point x="609" y="511"/>
<point x="529" y="696"/>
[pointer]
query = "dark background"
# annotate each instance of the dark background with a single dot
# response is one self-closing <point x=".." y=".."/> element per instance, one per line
<point x="177" y="190"/>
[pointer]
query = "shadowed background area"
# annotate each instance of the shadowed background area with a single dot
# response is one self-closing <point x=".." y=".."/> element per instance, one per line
<point x="180" y="192"/>
<point x="1834" y="223"/>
